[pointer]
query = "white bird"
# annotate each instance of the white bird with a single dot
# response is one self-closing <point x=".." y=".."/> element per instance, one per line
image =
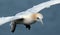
<point x="29" y="16"/>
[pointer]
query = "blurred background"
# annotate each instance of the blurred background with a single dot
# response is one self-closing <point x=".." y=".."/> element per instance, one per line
<point x="51" y="18"/>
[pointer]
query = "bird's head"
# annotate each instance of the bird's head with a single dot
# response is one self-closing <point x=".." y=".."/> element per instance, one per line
<point x="38" y="17"/>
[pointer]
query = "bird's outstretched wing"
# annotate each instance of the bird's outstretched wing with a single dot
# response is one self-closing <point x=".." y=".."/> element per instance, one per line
<point x="39" y="7"/>
<point x="43" y="5"/>
<point x="4" y="20"/>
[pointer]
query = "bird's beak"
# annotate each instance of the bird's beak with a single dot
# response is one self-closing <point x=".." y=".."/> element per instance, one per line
<point x="41" y="21"/>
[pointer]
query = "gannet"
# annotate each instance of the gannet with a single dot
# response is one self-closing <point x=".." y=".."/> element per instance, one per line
<point x="27" y="20"/>
<point x="29" y="16"/>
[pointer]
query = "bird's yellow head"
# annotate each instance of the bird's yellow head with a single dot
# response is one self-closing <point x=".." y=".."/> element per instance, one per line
<point x="37" y="17"/>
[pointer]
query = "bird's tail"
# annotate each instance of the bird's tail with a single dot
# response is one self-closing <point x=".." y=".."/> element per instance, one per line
<point x="4" y="20"/>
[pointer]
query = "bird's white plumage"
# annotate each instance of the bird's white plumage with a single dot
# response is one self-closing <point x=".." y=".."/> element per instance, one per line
<point x="5" y="19"/>
<point x="41" y="6"/>
<point x="29" y="11"/>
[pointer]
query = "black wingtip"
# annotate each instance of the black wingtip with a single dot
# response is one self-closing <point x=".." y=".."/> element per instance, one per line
<point x="12" y="31"/>
<point x="13" y="27"/>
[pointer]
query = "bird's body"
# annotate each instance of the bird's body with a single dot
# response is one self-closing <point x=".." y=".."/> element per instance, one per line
<point x="29" y="18"/>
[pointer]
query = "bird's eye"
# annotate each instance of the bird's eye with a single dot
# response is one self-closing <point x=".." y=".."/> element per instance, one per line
<point x="37" y="17"/>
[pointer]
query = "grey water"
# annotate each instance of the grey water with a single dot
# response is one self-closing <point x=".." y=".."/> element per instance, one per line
<point x="51" y="18"/>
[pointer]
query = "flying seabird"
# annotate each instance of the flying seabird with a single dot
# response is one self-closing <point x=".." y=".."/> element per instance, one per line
<point x="29" y="16"/>
<point x="27" y="20"/>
